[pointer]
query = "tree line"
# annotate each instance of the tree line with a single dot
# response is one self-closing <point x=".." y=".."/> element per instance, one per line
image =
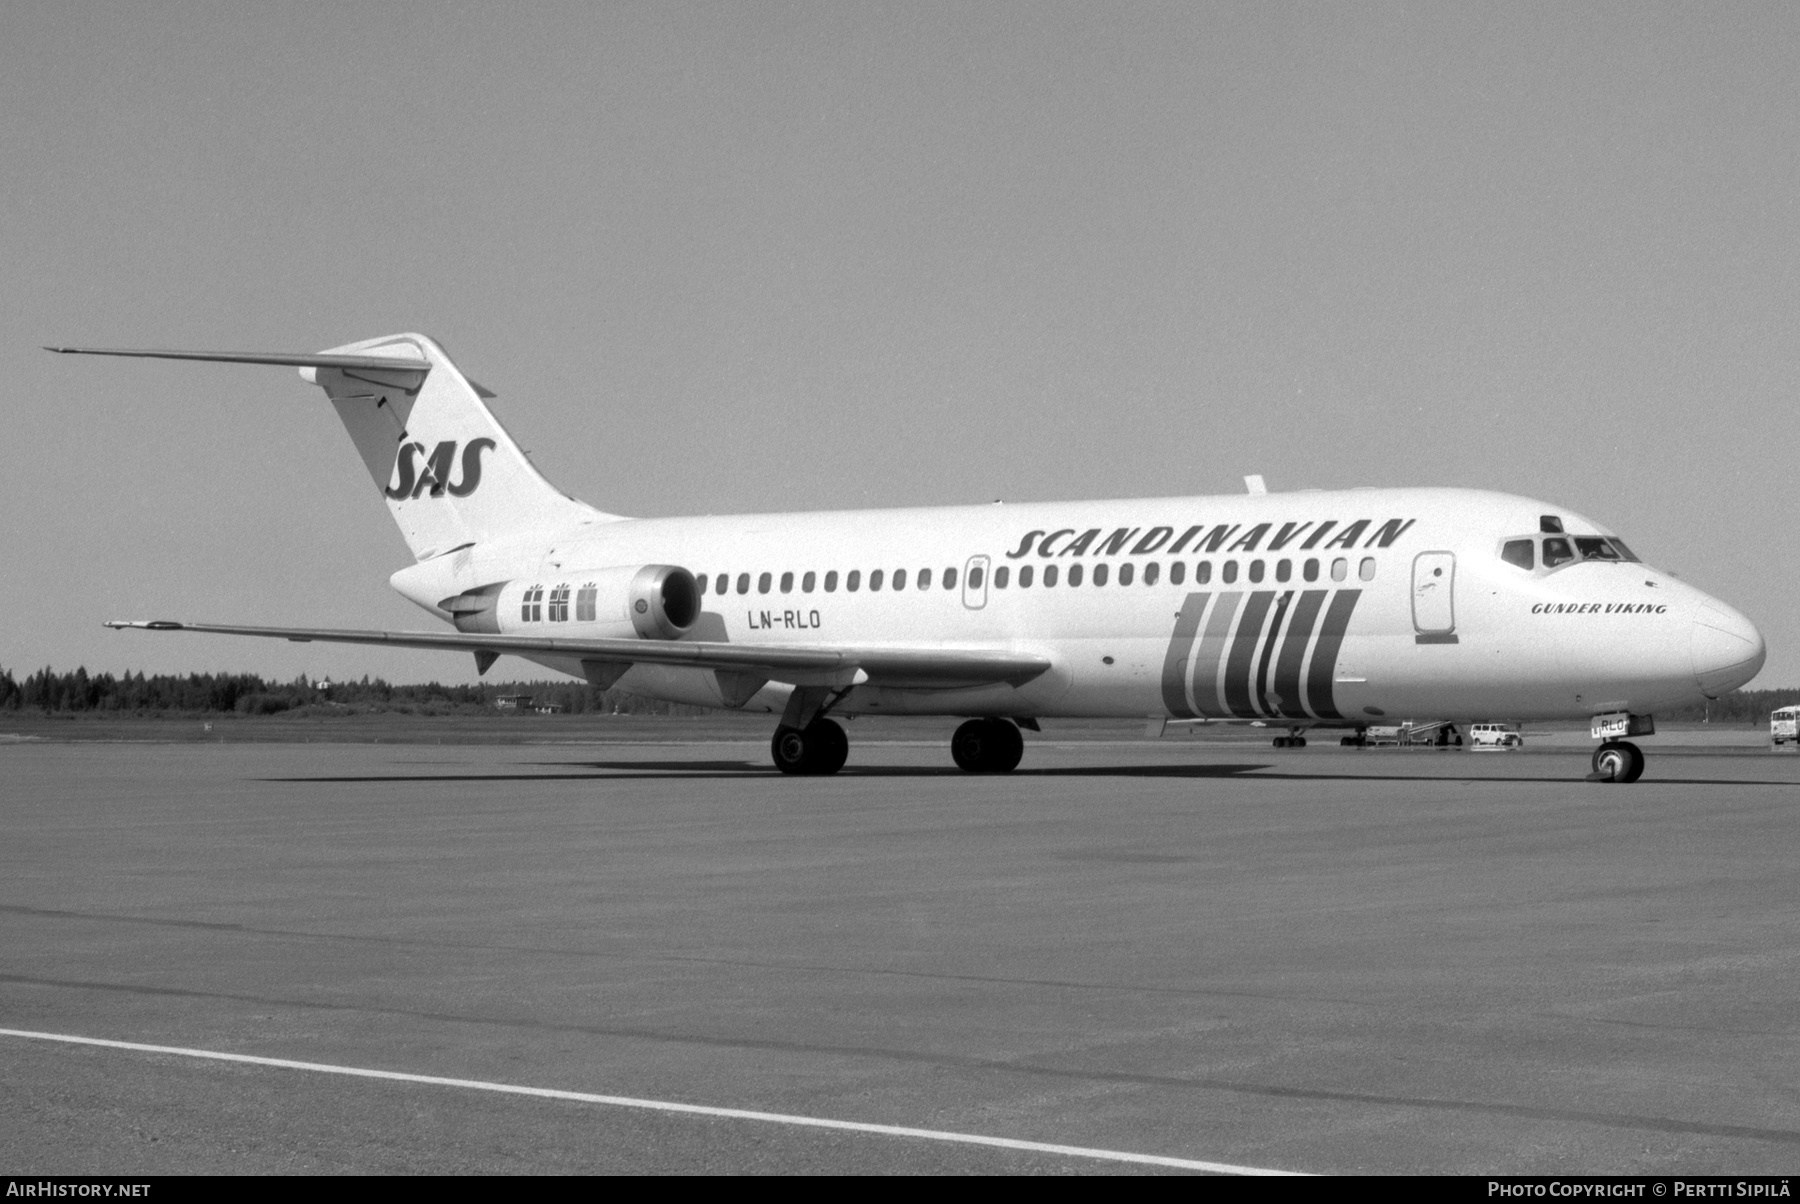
<point x="247" y="694"/>
<point x="79" y="691"/>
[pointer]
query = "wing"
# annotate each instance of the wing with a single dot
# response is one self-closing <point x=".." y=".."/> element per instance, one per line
<point x="933" y="668"/>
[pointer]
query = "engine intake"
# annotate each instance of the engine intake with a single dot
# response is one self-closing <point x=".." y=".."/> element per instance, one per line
<point x="664" y="601"/>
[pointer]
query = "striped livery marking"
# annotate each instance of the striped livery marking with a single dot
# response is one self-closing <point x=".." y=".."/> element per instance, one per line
<point x="1175" y="663"/>
<point x="1255" y="655"/>
<point x="1286" y="697"/>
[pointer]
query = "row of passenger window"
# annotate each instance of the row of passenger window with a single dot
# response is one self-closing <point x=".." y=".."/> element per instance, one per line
<point x="1052" y="575"/>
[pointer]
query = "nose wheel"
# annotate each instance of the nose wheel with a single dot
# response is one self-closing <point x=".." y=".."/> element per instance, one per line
<point x="987" y="746"/>
<point x="1617" y="761"/>
<point x="819" y="748"/>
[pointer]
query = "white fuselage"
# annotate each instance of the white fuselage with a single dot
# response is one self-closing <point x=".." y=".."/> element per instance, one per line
<point x="1421" y="617"/>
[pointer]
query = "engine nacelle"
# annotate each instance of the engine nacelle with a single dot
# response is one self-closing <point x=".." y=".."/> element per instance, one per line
<point x="651" y="601"/>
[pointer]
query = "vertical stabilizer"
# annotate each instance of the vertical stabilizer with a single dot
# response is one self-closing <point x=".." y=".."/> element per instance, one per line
<point x="449" y="472"/>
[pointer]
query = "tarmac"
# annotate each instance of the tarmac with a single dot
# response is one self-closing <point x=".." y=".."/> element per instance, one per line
<point x="1203" y="951"/>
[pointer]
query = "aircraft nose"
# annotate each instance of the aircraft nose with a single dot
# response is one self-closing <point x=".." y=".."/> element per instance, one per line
<point x="1727" y="649"/>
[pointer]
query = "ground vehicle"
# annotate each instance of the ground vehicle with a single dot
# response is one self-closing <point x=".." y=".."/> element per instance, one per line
<point x="1784" y="726"/>
<point x="1495" y="735"/>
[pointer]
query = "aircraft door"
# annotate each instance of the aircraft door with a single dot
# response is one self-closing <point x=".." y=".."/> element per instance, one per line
<point x="1433" y="594"/>
<point x="975" y="584"/>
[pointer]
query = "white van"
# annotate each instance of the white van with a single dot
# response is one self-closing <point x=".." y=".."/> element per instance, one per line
<point x="1495" y="736"/>
<point x="1784" y="726"/>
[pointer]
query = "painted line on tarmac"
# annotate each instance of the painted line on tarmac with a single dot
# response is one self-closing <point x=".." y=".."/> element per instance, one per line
<point x="651" y="1105"/>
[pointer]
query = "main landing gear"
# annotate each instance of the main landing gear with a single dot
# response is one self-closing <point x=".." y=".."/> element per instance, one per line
<point x="987" y="746"/>
<point x="1296" y="738"/>
<point x="1617" y="761"/>
<point x="821" y="747"/>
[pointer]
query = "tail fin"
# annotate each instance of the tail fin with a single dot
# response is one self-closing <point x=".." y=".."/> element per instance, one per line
<point x="451" y="474"/>
<point x="449" y="471"/>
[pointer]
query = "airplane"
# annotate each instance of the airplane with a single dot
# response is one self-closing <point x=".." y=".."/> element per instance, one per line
<point x="1296" y="610"/>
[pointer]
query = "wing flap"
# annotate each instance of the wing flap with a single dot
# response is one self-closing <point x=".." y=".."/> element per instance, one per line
<point x="896" y="668"/>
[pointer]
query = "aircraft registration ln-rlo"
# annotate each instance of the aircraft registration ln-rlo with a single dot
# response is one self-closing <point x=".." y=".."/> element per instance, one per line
<point x="1312" y="609"/>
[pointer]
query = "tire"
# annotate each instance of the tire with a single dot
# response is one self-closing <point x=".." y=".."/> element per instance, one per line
<point x="1619" y="761"/>
<point x="987" y="746"/>
<point x="788" y="748"/>
<point x="827" y="747"/>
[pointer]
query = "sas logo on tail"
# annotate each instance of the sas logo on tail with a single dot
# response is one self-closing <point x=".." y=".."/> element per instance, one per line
<point x="434" y="475"/>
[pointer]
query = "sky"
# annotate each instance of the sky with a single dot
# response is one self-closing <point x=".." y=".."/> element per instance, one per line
<point x="759" y="256"/>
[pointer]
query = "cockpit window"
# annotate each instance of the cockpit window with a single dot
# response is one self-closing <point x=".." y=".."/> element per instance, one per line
<point x="1625" y="553"/>
<point x="1557" y="551"/>
<point x="1593" y="547"/>
<point x="1519" y="552"/>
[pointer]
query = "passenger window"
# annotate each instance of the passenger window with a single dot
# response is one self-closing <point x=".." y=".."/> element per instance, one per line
<point x="1310" y="570"/>
<point x="853" y="581"/>
<point x="1152" y="571"/>
<point x="1284" y="569"/>
<point x="1100" y="574"/>
<point x="1556" y="551"/>
<point x="1025" y="574"/>
<point x="787" y="583"/>
<point x="722" y="584"/>
<point x="1256" y="570"/>
<point x="949" y="578"/>
<point x="1126" y="573"/>
<point x="1367" y="570"/>
<point x="1202" y="573"/>
<point x="743" y="583"/>
<point x="924" y="578"/>
<point x="1002" y="575"/>
<point x="699" y="580"/>
<point x="584" y="603"/>
<point x="1177" y="571"/>
<point x="874" y="581"/>
<point x="1520" y="553"/>
<point x="1049" y="576"/>
<point x="559" y="604"/>
<point x="975" y="576"/>
<point x="530" y="605"/>
<point x="899" y="578"/>
<point x="831" y="582"/>
<point x="1592" y="547"/>
<point x="1074" y="575"/>
<point x="807" y="582"/>
<point x="762" y="584"/>
<point x="1340" y="569"/>
<point x="1229" y="573"/>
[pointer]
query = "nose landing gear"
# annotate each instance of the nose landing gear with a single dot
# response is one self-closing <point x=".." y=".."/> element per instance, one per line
<point x="1617" y="761"/>
<point x="987" y="746"/>
<point x="819" y="748"/>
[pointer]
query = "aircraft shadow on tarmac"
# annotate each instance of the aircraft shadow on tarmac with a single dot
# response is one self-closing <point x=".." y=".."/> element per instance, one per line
<point x="609" y="771"/>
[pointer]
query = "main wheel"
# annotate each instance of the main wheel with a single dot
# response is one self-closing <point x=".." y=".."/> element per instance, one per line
<point x="788" y="748"/>
<point x="1619" y="761"/>
<point x="820" y="748"/>
<point x="828" y="746"/>
<point x="987" y="746"/>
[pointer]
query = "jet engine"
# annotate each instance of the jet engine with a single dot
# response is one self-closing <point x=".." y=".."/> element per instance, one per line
<point x="651" y="601"/>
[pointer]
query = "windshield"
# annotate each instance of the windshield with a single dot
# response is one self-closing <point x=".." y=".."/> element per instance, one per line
<point x="1554" y="551"/>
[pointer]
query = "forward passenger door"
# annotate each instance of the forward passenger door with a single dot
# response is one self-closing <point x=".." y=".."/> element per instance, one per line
<point x="1433" y="597"/>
